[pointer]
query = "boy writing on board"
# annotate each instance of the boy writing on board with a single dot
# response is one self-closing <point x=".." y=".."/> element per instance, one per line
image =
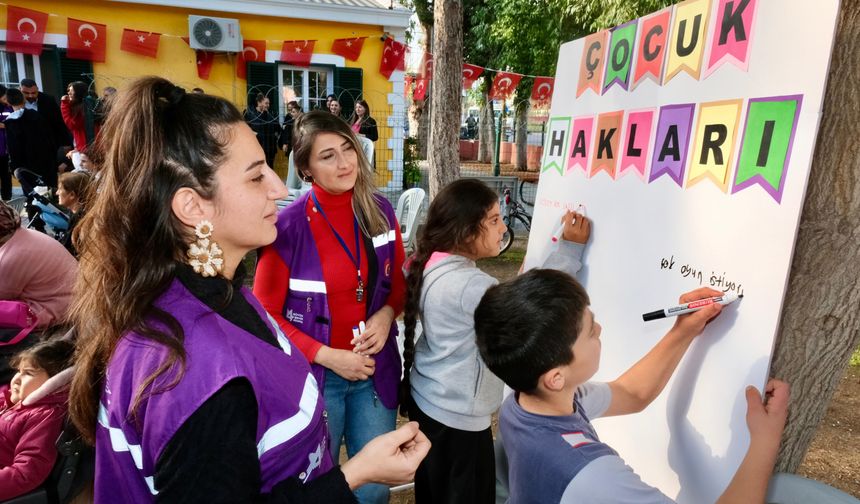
<point x="538" y="334"/>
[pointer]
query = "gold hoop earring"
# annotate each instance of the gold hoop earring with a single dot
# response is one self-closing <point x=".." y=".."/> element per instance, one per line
<point x="204" y="255"/>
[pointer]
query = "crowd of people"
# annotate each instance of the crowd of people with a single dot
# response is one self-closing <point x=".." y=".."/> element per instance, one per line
<point x="193" y="387"/>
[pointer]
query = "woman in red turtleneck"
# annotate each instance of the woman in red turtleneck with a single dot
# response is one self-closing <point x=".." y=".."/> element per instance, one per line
<point x="360" y="250"/>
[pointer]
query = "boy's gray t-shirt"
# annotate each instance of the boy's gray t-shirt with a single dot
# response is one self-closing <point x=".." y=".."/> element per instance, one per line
<point x="561" y="458"/>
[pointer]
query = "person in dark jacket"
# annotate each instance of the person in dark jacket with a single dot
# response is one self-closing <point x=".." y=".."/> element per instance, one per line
<point x="294" y="110"/>
<point x="48" y="108"/>
<point x="265" y="126"/>
<point x="362" y="123"/>
<point x="5" y="172"/>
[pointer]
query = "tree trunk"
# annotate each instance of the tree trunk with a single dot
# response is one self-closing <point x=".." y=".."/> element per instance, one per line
<point x="486" y="132"/>
<point x="820" y="324"/>
<point x="521" y="123"/>
<point x="444" y="152"/>
<point x="426" y="106"/>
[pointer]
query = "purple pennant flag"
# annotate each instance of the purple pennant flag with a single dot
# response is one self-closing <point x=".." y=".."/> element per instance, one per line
<point x="672" y="142"/>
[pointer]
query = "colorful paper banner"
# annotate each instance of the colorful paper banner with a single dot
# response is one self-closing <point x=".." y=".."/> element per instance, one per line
<point x="672" y="141"/>
<point x="556" y="145"/>
<point x="765" y="149"/>
<point x="733" y="33"/>
<point x="580" y="144"/>
<point x="637" y="143"/>
<point x="620" y="56"/>
<point x="607" y="139"/>
<point x="714" y="142"/>
<point x="653" y="34"/>
<point x="591" y="69"/>
<point x="687" y="44"/>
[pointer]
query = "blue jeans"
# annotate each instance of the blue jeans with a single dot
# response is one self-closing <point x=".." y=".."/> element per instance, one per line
<point x="356" y="413"/>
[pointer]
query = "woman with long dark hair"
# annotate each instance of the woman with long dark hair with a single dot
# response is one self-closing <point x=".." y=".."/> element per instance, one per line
<point x="183" y="382"/>
<point x="77" y="108"/>
<point x="333" y="280"/>
<point x="361" y="122"/>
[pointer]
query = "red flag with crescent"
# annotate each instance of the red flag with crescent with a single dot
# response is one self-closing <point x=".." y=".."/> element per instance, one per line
<point x="471" y="74"/>
<point x="420" y="89"/>
<point x="252" y="50"/>
<point x="349" y="48"/>
<point x="204" y="63"/>
<point x="87" y="41"/>
<point x="427" y="66"/>
<point x="140" y="42"/>
<point x="25" y="30"/>
<point x="298" y="52"/>
<point x="542" y="90"/>
<point x="504" y="85"/>
<point x="393" y="57"/>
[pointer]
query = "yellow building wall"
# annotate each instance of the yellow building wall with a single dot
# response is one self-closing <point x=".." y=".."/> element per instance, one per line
<point x="176" y="61"/>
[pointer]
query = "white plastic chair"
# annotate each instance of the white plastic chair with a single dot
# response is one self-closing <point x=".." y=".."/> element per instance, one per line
<point x="295" y="185"/>
<point x="368" y="148"/>
<point x="408" y="208"/>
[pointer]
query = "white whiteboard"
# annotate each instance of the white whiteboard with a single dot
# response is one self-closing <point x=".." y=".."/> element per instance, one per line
<point x="690" y="441"/>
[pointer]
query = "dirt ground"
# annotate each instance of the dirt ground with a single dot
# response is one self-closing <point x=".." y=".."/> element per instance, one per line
<point x="834" y="456"/>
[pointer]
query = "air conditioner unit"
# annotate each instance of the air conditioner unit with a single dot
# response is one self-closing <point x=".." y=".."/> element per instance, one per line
<point x="214" y="34"/>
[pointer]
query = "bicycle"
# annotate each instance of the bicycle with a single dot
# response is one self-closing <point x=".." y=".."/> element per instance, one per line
<point x="512" y="211"/>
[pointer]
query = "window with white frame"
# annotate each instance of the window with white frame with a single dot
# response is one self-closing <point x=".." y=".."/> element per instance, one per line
<point x="308" y="86"/>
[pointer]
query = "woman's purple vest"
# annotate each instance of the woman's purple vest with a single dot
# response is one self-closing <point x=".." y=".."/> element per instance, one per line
<point x="306" y="305"/>
<point x="291" y="429"/>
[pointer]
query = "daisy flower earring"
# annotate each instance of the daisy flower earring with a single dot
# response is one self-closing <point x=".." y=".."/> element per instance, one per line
<point x="204" y="255"/>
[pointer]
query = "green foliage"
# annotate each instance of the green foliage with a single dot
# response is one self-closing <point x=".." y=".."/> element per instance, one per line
<point x="411" y="171"/>
<point x="855" y="358"/>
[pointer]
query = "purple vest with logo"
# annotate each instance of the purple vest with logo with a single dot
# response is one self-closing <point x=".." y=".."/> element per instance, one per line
<point x="306" y="305"/>
<point x="291" y="431"/>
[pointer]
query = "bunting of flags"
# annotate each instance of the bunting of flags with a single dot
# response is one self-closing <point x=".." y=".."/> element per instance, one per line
<point x="87" y="40"/>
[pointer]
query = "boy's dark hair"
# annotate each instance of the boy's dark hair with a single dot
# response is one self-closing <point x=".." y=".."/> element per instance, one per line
<point x="52" y="355"/>
<point x="527" y="326"/>
<point x="15" y="96"/>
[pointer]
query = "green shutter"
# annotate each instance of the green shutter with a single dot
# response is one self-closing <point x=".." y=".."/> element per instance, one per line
<point x="263" y="78"/>
<point x="72" y="70"/>
<point x="348" y="85"/>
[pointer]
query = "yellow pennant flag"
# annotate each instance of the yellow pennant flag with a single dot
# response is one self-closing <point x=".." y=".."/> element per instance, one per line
<point x="714" y="143"/>
<point x="687" y="40"/>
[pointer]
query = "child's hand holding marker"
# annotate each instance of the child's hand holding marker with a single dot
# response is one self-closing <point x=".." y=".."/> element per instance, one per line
<point x="573" y="226"/>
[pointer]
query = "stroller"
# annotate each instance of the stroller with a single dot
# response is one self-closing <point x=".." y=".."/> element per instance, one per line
<point x="43" y="212"/>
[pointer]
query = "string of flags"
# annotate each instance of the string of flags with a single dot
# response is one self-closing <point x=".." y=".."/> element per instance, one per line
<point x="87" y="40"/>
<point x="503" y="86"/>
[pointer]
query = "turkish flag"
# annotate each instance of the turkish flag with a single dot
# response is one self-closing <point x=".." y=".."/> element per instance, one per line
<point x="139" y="42"/>
<point x="25" y="30"/>
<point x="87" y="41"/>
<point x="393" y="57"/>
<point x="349" y="48"/>
<point x="427" y="66"/>
<point x="298" y="52"/>
<point x="542" y="90"/>
<point x="471" y="74"/>
<point x="252" y="50"/>
<point x="504" y="85"/>
<point x="204" y="63"/>
<point x="420" y="89"/>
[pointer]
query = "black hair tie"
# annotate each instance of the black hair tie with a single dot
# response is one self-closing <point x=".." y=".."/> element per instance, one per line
<point x="176" y="95"/>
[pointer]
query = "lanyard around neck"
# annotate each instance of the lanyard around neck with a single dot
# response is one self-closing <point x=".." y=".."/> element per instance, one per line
<point x="356" y="259"/>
